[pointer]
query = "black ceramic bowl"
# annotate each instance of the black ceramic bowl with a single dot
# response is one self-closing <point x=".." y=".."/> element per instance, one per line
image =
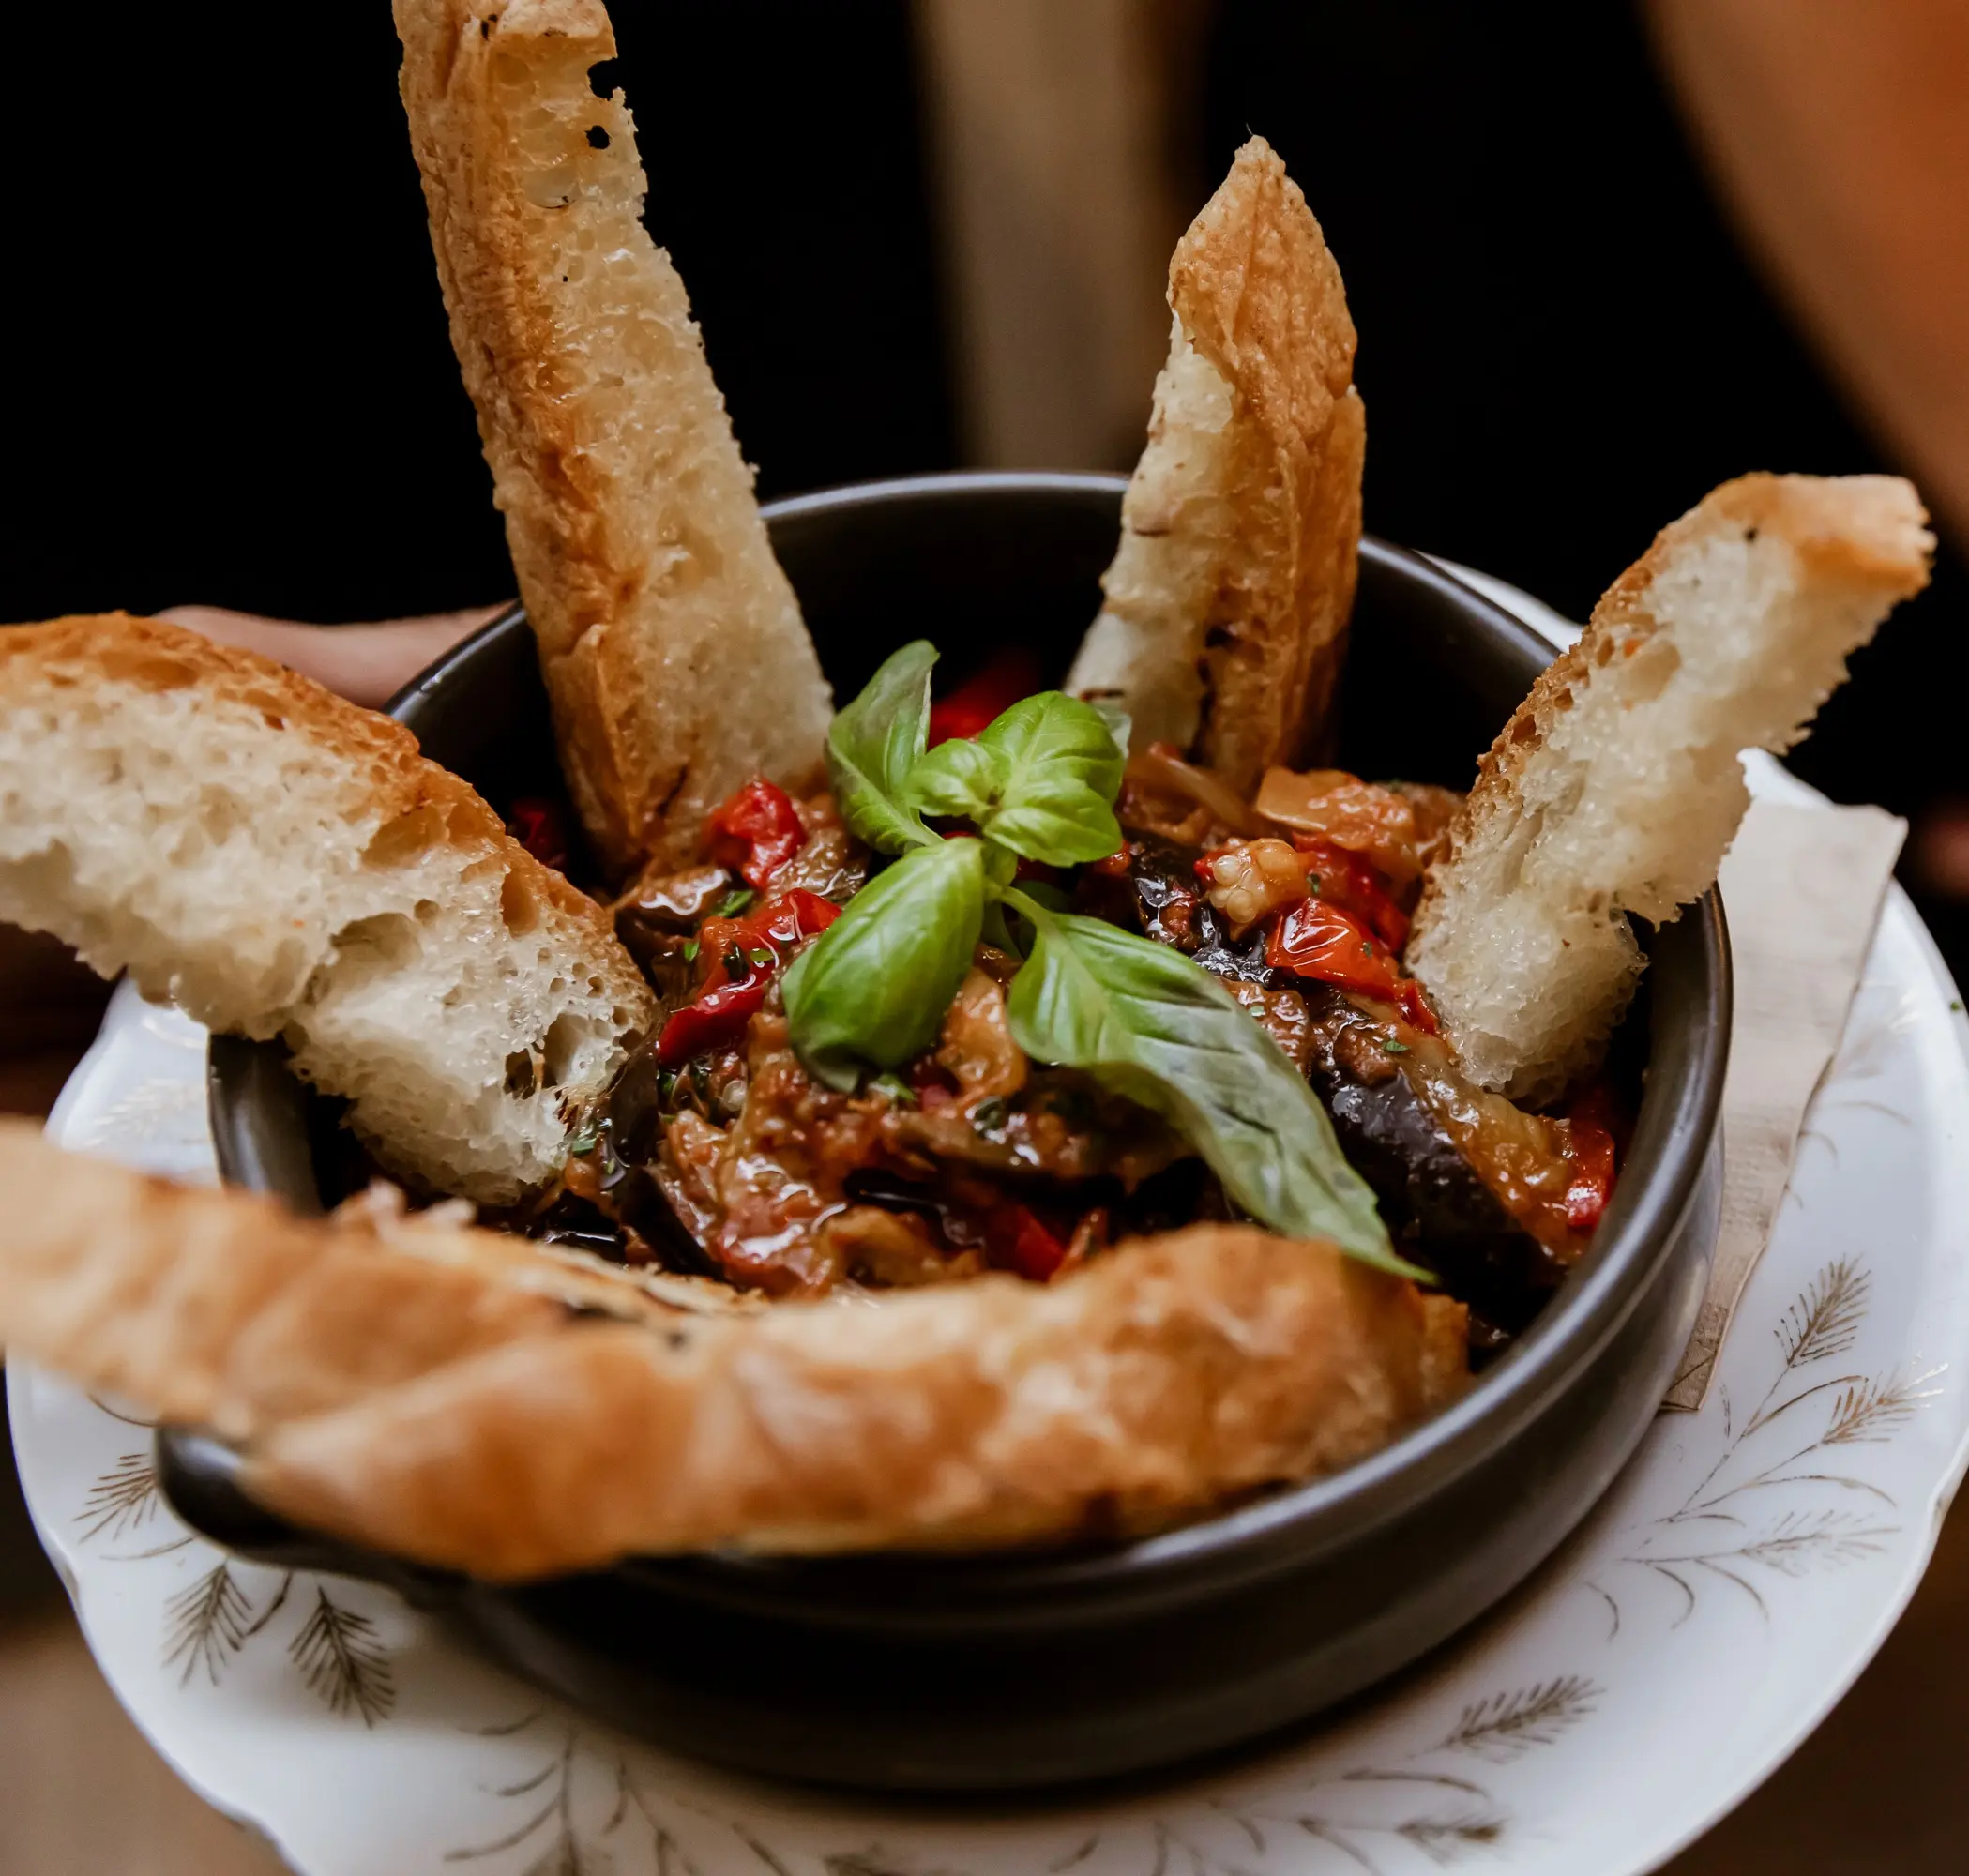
<point x="1009" y="1670"/>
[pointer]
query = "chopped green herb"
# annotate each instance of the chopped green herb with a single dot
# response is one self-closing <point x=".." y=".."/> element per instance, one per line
<point x="700" y="1077"/>
<point x="666" y="1085"/>
<point x="586" y="1141"/>
<point x="1955" y="1002"/>
<point x="1391" y="1047"/>
<point x="990" y="1114"/>
<point x="895" y="1087"/>
<point x="758" y="955"/>
<point x="733" y="902"/>
<point x="691" y="951"/>
<point x="1367" y="947"/>
<point x="1313" y="882"/>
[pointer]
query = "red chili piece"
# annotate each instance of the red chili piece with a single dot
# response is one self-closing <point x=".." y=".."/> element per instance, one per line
<point x="722" y="1009"/>
<point x="1592" y="1153"/>
<point x="537" y="825"/>
<point x="984" y="694"/>
<point x="756" y="832"/>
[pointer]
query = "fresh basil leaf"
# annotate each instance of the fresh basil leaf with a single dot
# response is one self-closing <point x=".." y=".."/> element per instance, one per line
<point x="1148" y="1022"/>
<point x="873" y="987"/>
<point x="875" y="743"/>
<point x="1062" y="770"/>
<point x="1114" y="713"/>
<point x="960" y="778"/>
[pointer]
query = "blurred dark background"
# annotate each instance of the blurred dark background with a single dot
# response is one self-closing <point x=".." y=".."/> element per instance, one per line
<point x="918" y="236"/>
<point x="914" y="238"/>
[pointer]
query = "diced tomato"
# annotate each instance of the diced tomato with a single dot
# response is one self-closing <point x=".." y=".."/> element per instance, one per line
<point x="537" y="825"/>
<point x="1019" y="1238"/>
<point x="756" y="832"/>
<point x="1115" y="866"/>
<point x="1316" y="938"/>
<point x="1010" y="675"/>
<point x="756" y="944"/>
<point x="1346" y="879"/>
<point x="1591" y="1149"/>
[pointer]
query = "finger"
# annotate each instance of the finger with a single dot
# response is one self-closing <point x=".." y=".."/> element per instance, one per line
<point x="366" y="663"/>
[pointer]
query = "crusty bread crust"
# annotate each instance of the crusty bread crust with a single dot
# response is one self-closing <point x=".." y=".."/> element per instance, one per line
<point x="1616" y="787"/>
<point x="281" y="862"/>
<point x="220" y="1310"/>
<point x="673" y="650"/>
<point x="1227" y="603"/>
<point x="467" y="1400"/>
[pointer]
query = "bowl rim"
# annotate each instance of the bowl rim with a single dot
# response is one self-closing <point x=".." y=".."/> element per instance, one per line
<point x="1296" y="1525"/>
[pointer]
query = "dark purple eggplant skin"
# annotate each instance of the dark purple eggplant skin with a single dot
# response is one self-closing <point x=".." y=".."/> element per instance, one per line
<point x="1439" y="1212"/>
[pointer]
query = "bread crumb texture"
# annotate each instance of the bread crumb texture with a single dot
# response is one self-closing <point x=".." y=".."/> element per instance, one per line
<point x="1616" y="787"/>
<point x="674" y="653"/>
<point x="281" y="863"/>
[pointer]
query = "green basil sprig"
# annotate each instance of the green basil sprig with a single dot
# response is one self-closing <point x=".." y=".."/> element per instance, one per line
<point x="1039" y="780"/>
<point x="873" y="745"/>
<point x="1040" y="783"/>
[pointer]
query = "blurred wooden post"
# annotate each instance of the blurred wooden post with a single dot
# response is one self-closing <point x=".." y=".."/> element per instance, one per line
<point x="1053" y="128"/>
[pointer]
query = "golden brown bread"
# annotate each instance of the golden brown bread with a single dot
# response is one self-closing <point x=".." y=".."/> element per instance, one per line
<point x="1616" y="787"/>
<point x="283" y="863"/>
<point x="673" y="646"/>
<point x="221" y="1309"/>
<point x="432" y="1390"/>
<point x="1170" y="1374"/>
<point x="1227" y="602"/>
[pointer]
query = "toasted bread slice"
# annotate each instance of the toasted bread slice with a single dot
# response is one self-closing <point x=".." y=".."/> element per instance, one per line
<point x="219" y="1309"/>
<point x="469" y="1399"/>
<point x="282" y="863"/>
<point x="673" y="650"/>
<point x="1615" y="788"/>
<point x="1227" y="602"/>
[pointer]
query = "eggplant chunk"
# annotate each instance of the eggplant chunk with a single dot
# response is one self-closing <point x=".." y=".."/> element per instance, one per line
<point x="1438" y="1208"/>
<point x="1160" y="899"/>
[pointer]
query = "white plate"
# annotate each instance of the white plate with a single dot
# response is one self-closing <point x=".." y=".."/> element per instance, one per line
<point x="1742" y="1571"/>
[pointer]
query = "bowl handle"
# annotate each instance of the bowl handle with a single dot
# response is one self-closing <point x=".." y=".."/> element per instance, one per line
<point x="199" y="1476"/>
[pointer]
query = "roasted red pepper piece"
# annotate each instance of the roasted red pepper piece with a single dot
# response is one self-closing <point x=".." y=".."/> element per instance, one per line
<point x="984" y="694"/>
<point x="1315" y="939"/>
<point x="1346" y="879"/>
<point x="537" y="825"/>
<point x="718" y="1016"/>
<point x="756" y="832"/>
<point x="1017" y="1237"/>
<point x="722" y="1009"/>
<point x="1591" y="1150"/>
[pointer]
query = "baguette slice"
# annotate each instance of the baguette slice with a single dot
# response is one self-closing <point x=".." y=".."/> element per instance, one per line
<point x="282" y="863"/>
<point x="470" y="1400"/>
<point x="1616" y="787"/>
<point x="1227" y="602"/>
<point x="674" y="654"/>
<point x="221" y="1310"/>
